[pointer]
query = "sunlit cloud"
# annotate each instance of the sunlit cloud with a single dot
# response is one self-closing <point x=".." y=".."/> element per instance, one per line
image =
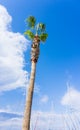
<point x="51" y="120"/>
<point x="40" y="120"/>
<point x="12" y="47"/>
<point x="71" y="98"/>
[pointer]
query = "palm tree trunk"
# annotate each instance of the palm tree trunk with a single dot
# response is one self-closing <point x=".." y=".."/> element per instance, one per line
<point x="27" y="114"/>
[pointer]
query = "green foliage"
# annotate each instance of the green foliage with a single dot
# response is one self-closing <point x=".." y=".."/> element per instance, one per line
<point x="43" y="37"/>
<point x="31" y="21"/>
<point x="29" y="34"/>
<point x="36" y="29"/>
<point x="42" y="27"/>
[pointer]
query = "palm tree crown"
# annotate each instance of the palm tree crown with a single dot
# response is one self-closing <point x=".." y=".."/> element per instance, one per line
<point x="38" y="29"/>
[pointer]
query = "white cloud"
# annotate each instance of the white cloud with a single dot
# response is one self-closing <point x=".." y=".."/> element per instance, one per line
<point x="49" y="120"/>
<point x="10" y="120"/>
<point x="5" y="19"/>
<point x="41" y="120"/>
<point x="71" y="98"/>
<point x="12" y="47"/>
<point x="13" y="124"/>
<point x="44" y="99"/>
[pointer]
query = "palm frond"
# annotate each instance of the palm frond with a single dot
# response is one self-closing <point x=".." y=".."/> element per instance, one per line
<point x="42" y="27"/>
<point x="29" y="34"/>
<point x="43" y="37"/>
<point x="31" y="21"/>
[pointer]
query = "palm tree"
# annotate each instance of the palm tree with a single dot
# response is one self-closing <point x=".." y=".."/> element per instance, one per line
<point x="37" y="34"/>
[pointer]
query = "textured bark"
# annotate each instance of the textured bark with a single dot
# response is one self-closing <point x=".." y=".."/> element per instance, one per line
<point x="27" y="114"/>
<point x="34" y="58"/>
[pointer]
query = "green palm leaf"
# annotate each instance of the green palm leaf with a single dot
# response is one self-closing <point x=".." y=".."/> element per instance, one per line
<point x="42" y="27"/>
<point x="31" y="21"/>
<point x="29" y="34"/>
<point x="43" y="37"/>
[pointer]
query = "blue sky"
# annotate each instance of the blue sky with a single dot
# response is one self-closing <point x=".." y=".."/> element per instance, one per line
<point x="57" y="84"/>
